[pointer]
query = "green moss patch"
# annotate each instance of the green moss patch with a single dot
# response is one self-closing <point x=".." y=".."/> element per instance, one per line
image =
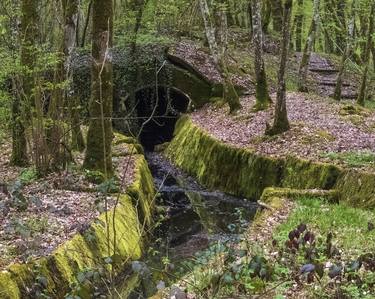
<point x="113" y="239"/>
<point x="242" y="172"/>
<point x="272" y="192"/>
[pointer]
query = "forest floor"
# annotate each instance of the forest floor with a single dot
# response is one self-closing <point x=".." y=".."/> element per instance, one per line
<point x="321" y="129"/>
<point x="37" y="215"/>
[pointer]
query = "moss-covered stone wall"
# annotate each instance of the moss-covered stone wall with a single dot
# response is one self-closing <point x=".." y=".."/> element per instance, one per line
<point x="88" y="250"/>
<point x="242" y="172"/>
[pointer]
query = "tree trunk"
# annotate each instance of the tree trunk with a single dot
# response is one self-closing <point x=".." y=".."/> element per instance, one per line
<point x="281" y="122"/>
<point x="89" y="9"/>
<point x="345" y="56"/>
<point x="219" y="55"/>
<point x="99" y="138"/>
<point x="299" y="25"/>
<point x="305" y="60"/>
<point x="21" y="107"/>
<point x="362" y="90"/>
<point x="262" y="96"/>
<point x="19" y="144"/>
<point x="266" y="15"/>
<point x="71" y="13"/>
<point x="63" y="73"/>
<point x="277" y="15"/>
<point x="341" y="24"/>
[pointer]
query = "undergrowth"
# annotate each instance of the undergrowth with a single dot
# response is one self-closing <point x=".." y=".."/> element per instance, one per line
<point x="321" y="251"/>
<point x="353" y="159"/>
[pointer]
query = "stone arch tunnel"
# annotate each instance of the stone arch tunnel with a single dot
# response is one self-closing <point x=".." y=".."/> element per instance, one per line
<point x="168" y="70"/>
<point x="158" y="109"/>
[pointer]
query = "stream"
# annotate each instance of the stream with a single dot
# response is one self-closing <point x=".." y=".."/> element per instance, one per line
<point x="191" y="219"/>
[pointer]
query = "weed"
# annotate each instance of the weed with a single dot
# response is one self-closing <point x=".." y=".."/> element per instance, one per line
<point x="28" y="175"/>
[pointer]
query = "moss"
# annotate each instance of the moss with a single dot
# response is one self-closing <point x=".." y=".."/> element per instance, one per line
<point x="353" y="110"/>
<point x="239" y="171"/>
<point x="126" y="226"/>
<point x="304" y="174"/>
<point x="357" y="188"/>
<point x="270" y="192"/>
<point x="243" y="173"/>
<point x="198" y="90"/>
<point x="9" y="285"/>
<point x="220" y="166"/>
<point x="142" y="192"/>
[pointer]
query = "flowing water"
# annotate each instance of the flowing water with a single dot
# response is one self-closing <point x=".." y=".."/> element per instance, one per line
<point x="192" y="219"/>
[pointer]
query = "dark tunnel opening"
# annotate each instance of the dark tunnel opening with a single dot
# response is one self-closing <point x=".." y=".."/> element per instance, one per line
<point x="158" y="111"/>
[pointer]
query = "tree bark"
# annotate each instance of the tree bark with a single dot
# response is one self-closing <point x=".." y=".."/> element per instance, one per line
<point x="345" y="56"/>
<point x="262" y="96"/>
<point x="266" y="15"/>
<point x="305" y="60"/>
<point x="281" y="122"/>
<point x="363" y="87"/>
<point x="21" y="106"/>
<point x="299" y="25"/>
<point x="99" y="138"/>
<point x="277" y="15"/>
<point x="89" y="9"/>
<point x="219" y="54"/>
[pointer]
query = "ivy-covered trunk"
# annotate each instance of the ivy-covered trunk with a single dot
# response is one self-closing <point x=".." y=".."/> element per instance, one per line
<point x="281" y="122"/>
<point x="99" y="138"/>
<point x="24" y="101"/>
<point x="362" y="89"/>
<point x="305" y="60"/>
<point x="262" y="96"/>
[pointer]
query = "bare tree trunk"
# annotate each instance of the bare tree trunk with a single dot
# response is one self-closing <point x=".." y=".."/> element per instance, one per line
<point x="220" y="55"/>
<point x="305" y="60"/>
<point x="363" y="87"/>
<point x="345" y="56"/>
<point x="19" y="144"/>
<point x="63" y="73"/>
<point x="262" y="96"/>
<point x="70" y="40"/>
<point x="99" y="137"/>
<point x="281" y="122"/>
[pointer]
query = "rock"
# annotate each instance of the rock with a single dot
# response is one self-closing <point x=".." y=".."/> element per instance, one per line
<point x="177" y="293"/>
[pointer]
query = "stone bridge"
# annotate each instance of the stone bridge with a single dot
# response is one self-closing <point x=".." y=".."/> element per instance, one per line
<point x="161" y="82"/>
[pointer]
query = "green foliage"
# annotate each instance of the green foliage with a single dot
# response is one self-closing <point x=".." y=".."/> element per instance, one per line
<point x="94" y="176"/>
<point x="349" y="224"/>
<point x="353" y="159"/>
<point x="28" y="175"/>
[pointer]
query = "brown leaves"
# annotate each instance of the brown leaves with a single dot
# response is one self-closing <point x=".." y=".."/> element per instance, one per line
<point x="316" y="128"/>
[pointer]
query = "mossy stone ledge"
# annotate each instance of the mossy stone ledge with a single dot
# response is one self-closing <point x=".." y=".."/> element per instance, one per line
<point x="244" y="173"/>
<point x="89" y="249"/>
